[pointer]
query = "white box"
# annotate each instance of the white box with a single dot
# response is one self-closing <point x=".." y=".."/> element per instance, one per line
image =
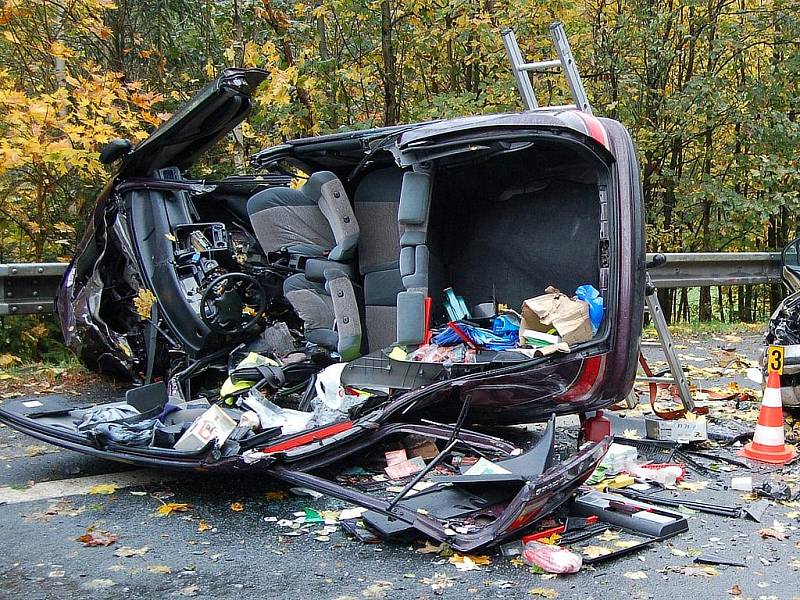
<point x="679" y="430"/>
<point x="214" y="424"/>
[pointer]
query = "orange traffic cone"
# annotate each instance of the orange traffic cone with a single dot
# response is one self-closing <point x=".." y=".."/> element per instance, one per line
<point x="768" y="444"/>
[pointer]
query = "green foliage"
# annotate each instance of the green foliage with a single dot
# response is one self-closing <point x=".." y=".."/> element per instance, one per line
<point x="708" y="89"/>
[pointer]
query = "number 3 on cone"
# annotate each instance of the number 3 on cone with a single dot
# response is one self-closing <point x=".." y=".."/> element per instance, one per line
<point x="775" y="359"/>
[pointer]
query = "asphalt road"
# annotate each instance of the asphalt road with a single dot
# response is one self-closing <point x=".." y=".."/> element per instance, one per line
<point x="243" y="555"/>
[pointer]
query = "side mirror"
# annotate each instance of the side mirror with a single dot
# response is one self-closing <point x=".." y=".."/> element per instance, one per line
<point x="114" y="150"/>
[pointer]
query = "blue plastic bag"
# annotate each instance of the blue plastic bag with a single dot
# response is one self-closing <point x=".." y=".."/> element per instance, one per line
<point x="591" y="296"/>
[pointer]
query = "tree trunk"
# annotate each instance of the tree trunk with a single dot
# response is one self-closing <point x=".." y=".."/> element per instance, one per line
<point x="391" y="110"/>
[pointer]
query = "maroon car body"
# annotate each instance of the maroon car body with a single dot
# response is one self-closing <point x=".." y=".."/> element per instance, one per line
<point x="585" y="227"/>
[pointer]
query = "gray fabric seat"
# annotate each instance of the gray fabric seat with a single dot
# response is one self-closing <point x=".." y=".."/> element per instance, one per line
<point x="376" y="203"/>
<point x="415" y="257"/>
<point x="313" y="220"/>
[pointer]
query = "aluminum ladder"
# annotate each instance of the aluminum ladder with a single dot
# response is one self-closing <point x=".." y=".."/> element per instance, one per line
<point x="565" y="62"/>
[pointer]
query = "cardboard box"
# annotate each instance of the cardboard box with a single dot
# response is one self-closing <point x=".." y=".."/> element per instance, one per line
<point x="554" y="310"/>
<point x="214" y="424"/>
<point x="679" y="430"/>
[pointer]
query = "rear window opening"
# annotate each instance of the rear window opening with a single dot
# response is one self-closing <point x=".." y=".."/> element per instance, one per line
<point x="504" y="228"/>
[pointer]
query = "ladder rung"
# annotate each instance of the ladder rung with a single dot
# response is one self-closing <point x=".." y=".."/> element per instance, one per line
<point x="560" y="107"/>
<point x="543" y="65"/>
<point x="656" y="380"/>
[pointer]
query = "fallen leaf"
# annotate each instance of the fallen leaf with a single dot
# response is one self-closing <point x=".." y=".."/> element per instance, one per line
<point x="168" y="508"/>
<point x="189" y="590"/>
<point x="542" y="592"/>
<point x="693" y="486"/>
<point x="378" y="590"/>
<point x="596" y="551"/>
<point x="467" y="562"/>
<point x="771" y="532"/>
<point x="439" y="582"/>
<point x="161" y="569"/>
<point x="128" y="552"/>
<point x="63" y="508"/>
<point x="735" y="590"/>
<point x="635" y="575"/>
<point x="99" y="584"/>
<point x="104" y="488"/>
<point x="276" y="496"/>
<point x="237" y="506"/>
<point x="203" y="526"/>
<point x="94" y="538"/>
<point x="625" y="543"/>
<point x="429" y="548"/>
<point x="608" y="536"/>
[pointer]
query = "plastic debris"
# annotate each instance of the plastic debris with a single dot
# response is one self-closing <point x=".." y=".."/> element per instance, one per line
<point x="552" y="559"/>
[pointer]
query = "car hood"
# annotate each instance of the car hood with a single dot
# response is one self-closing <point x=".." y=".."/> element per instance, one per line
<point x="212" y="113"/>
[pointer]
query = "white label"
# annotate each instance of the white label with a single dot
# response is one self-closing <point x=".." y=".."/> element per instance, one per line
<point x="32" y="404"/>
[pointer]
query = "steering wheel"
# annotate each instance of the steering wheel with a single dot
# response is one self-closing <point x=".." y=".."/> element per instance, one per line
<point x="232" y="303"/>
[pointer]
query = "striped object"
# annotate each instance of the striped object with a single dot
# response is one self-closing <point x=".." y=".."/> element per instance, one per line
<point x="768" y="443"/>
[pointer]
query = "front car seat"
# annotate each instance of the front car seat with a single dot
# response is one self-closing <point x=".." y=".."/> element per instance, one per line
<point x="316" y="226"/>
<point x="315" y="220"/>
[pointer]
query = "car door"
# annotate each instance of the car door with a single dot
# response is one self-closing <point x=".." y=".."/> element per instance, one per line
<point x="790" y="266"/>
<point x="210" y="115"/>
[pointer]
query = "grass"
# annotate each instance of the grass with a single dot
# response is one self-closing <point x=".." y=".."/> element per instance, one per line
<point x="693" y="328"/>
<point x="66" y="373"/>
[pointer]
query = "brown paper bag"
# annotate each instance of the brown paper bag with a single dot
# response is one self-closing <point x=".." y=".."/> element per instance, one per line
<point x="569" y="317"/>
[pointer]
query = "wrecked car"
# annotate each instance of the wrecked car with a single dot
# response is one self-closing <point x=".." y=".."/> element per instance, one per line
<point x="432" y="281"/>
<point x="783" y="331"/>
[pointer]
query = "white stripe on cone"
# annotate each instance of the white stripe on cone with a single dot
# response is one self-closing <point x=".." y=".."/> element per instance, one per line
<point x="768" y="436"/>
<point x="772" y="397"/>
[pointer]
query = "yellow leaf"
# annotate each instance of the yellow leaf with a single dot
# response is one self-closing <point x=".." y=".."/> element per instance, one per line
<point x="237" y="506"/>
<point x="608" y="536"/>
<point x="204" y="526"/>
<point x="163" y="569"/>
<point x="144" y="303"/>
<point x="625" y="543"/>
<point x="693" y="486"/>
<point x="635" y="575"/>
<point x="167" y="509"/>
<point x="596" y="551"/>
<point x="103" y="488"/>
<point x="467" y="562"/>
<point x="276" y="496"/>
<point x="542" y="592"/>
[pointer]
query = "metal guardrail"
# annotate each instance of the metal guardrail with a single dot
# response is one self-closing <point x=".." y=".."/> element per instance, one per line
<point x="29" y="288"/>
<point x="689" y="269"/>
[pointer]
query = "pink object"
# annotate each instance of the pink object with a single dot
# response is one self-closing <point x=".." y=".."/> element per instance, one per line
<point x="553" y="559"/>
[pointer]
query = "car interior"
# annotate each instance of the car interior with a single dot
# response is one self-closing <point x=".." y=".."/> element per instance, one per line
<point x="333" y="273"/>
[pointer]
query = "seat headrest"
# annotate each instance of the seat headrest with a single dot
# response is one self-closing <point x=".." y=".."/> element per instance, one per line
<point x="414" y="199"/>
